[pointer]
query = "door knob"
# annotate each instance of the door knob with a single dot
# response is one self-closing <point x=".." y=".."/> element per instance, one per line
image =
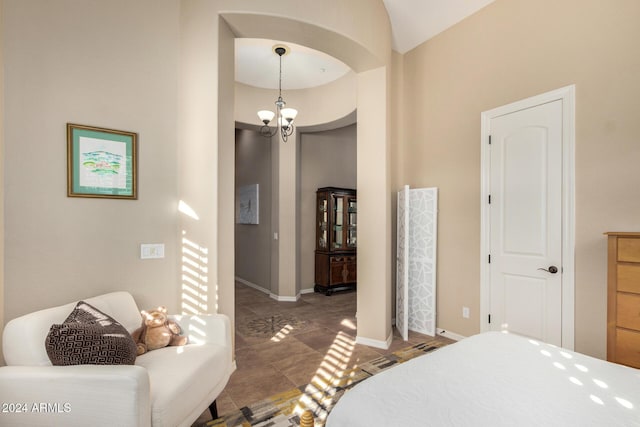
<point x="552" y="269"/>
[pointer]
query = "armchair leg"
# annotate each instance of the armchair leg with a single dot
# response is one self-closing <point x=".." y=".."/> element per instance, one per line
<point x="213" y="408"/>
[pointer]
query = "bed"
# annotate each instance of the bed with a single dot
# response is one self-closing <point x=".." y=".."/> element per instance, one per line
<point x="495" y="379"/>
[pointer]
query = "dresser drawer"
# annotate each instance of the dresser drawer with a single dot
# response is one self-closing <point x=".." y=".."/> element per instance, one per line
<point x="628" y="348"/>
<point x="628" y="311"/>
<point x="628" y="249"/>
<point x="629" y="278"/>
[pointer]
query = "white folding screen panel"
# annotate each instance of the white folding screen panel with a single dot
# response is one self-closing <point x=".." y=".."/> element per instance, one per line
<point x="416" y="264"/>
<point x="402" y="264"/>
<point x="423" y="221"/>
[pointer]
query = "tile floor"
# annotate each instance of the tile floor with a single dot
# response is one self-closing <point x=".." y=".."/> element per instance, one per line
<point x="281" y="345"/>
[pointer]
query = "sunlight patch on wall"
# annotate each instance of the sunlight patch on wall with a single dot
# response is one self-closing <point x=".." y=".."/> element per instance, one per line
<point x="195" y="277"/>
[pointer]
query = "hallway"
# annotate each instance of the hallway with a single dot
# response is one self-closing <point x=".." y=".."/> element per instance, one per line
<point x="282" y="345"/>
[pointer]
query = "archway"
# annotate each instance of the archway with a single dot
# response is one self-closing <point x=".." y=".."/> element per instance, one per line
<point x="207" y="134"/>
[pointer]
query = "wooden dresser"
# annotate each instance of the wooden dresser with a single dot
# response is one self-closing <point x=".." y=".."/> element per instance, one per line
<point x="623" y="299"/>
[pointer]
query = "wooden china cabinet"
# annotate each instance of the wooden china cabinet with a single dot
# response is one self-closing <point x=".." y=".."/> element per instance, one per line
<point x="336" y="235"/>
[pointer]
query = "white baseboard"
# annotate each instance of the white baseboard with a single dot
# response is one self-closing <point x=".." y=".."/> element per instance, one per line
<point x="449" y="334"/>
<point x="268" y="292"/>
<point x="253" y="285"/>
<point x="307" y="291"/>
<point x="375" y="343"/>
<point x="439" y="331"/>
<point x="284" y="299"/>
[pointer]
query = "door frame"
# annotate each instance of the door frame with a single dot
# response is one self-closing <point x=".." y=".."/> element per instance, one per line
<point x="567" y="96"/>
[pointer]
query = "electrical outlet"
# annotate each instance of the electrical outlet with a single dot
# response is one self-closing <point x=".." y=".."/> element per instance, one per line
<point x="465" y="312"/>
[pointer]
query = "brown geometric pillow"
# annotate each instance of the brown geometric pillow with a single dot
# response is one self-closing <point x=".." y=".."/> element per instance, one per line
<point x="89" y="337"/>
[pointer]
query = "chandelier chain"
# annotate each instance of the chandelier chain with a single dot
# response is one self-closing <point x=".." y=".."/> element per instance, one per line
<point x="283" y="124"/>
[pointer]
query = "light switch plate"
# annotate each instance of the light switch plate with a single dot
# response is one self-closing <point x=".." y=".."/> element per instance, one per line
<point x="151" y="250"/>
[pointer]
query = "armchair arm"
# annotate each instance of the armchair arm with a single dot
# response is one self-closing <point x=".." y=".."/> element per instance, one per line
<point x="205" y="328"/>
<point x="83" y="395"/>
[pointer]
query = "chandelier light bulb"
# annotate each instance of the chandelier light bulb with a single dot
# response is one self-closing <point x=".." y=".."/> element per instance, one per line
<point x="289" y="114"/>
<point x="266" y="116"/>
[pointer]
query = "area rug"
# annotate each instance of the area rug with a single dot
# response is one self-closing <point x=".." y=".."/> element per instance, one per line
<point x="284" y="409"/>
<point x="268" y="326"/>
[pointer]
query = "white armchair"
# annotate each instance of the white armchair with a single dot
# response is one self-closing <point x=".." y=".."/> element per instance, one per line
<point x="171" y="386"/>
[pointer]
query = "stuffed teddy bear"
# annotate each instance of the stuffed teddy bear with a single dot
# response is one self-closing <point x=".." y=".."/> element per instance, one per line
<point x="157" y="331"/>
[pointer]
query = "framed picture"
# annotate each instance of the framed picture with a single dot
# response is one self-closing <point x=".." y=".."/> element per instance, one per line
<point x="247" y="204"/>
<point x="101" y="162"/>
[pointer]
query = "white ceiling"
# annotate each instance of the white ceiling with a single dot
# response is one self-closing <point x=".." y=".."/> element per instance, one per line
<point x="412" y="23"/>
<point x="258" y="65"/>
<point x="416" y="21"/>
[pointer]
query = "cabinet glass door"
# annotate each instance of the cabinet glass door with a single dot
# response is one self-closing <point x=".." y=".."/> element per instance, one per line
<point x="338" y="221"/>
<point x="352" y="231"/>
<point x="322" y="213"/>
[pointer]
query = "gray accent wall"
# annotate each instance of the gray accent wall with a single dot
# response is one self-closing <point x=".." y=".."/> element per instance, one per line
<point x="327" y="159"/>
<point x="253" y="242"/>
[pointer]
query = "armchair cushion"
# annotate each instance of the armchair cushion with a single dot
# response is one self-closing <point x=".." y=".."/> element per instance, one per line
<point x="89" y="337"/>
<point x="184" y="374"/>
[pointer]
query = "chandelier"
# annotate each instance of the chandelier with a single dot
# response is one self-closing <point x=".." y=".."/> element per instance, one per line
<point x="284" y="116"/>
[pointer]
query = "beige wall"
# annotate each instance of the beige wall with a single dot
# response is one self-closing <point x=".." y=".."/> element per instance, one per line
<point x="81" y="62"/>
<point x="327" y="159"/>
<point x="396" y="157"/>
<point x="253" y="242"/>
<point x="1" y="181"/>
<point x="225" y="279"/>
<point x="374" y="209"/>
<point x="318" y="105"/>
<point x="162" y="68"/>
<point x="508" y="51"/>
<point x="109" y="64"/>
<point x="287" y="227"/>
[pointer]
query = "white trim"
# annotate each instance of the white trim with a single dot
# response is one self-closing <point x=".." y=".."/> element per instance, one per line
<point x="567" y="95"/>
<point x="375" y="343"/>
<point x="307" y="291"/>
<point x="253" y="285"/>
<point x="284" y="299"/>
<point x="449" y="334"/>
<point x="268" y="292"/>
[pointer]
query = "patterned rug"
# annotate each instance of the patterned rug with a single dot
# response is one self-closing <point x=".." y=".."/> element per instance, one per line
<point x="261" y="326"/>
<point x="284" y="409"/>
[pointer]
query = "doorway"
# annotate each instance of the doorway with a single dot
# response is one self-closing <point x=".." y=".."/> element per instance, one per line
<point x="527" y="241"/>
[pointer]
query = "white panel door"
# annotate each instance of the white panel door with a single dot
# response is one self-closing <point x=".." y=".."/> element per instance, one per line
<point x="526" y="222"/>
<point x="402" y="264"/>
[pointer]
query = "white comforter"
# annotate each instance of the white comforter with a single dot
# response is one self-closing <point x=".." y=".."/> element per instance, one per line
<point x="495" y="379"/>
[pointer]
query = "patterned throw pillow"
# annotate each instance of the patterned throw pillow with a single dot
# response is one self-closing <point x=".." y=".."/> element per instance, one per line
<point x="89" y="337"/>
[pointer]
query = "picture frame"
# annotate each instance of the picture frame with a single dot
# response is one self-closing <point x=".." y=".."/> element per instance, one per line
<point x="101" y="162"/>
<point x="248" y="204"/>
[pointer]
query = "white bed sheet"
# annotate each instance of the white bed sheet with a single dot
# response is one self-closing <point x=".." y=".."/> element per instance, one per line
<point x="495" y="379"/>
